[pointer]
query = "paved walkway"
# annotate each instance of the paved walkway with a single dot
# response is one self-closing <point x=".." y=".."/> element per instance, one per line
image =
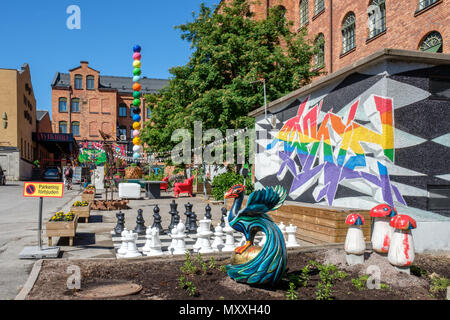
<point x="19" y="224"/>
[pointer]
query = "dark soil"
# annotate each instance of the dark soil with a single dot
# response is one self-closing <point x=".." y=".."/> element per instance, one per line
<point x="160" y="279"/>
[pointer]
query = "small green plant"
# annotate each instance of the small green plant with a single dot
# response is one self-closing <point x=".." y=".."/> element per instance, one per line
<point x="438" y="283"/>
<point x="212" y="263"/>
<point x="223" y="269"/>
<point x="360" y="283"/>
<point x="190" y="289"/>
<point x="305" y="276"/>
<point x="328" y="274"/>
<point x="188" y="267"/>
<point x="291" y="293"/>
<point x="384" y="286"/>
<point x="417" y="271"/>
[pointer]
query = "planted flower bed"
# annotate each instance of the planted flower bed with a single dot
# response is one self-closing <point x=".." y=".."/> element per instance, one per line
<point x="62" y="225"/>
<point x="311" y="275"/>
<point x="82" y="209"/>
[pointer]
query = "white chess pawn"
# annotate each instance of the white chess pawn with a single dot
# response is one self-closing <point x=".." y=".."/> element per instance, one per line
<point x="123" y="247"/>
<point x="173" y="234"/>
<point x="148" y="242"/>
<point x="229" y="239"/>
<point x="180" y="247"/>
<point x="205" y="235"/>
<point x="218" y="243"/>
<point x="198" y="244"/>
<point x="132" y="250"/>
<point x="156" y="245"/>
<point x="243" y="240"/>
<point x="291" y="240"/>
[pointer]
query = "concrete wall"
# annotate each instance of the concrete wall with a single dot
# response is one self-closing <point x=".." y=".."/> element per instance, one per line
<point x="378" y="135"/>
<point x="10" y="162"/>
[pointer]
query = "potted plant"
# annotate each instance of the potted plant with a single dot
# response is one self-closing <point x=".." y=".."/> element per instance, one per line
<point x="82" y="209"/>
<point x="62" y="225"/>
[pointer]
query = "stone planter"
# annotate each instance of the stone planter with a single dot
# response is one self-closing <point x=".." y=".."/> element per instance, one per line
<point x="62" y="229"/>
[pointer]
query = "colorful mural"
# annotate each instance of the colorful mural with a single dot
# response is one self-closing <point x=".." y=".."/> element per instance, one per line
<point x="91" y="151"/>
<point x="339" y="146"/>
<point x="376" y="136"/>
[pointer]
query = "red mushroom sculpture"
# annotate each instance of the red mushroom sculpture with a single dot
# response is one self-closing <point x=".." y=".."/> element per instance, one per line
<point x="401" y="250"/>
<point x="355" y="244"/>
<point x="382" y="231"/>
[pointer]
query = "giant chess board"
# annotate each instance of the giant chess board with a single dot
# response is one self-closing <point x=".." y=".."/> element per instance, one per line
<point x="166" y="240"/>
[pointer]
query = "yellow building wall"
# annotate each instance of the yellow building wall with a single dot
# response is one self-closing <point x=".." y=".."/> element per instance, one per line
<point x="8" y="104"/>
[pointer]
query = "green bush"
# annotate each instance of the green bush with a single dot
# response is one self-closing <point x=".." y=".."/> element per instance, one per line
<point x="222" y="182"/>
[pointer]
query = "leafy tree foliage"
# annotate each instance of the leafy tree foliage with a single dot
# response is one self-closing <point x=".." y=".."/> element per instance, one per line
<point x="219" y="85"/>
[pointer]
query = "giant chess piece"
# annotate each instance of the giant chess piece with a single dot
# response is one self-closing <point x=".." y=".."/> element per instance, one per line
<point x="218" y="243"/>
<point x="157" y="220"/>
<point x="188" y="212"/>
<point x="148" y="242"/>
<point x="282" y="228"/>
<point x="174" y="213"/>
<point x="173" y="244"/>
<point x="155" y="248"/>
<point x="192" y="228"/>
<point x="132" y="250"/>
<point x="123" y="248"/>
<point x="140" y="227"/>
<point x="222" y="219"/>
<point x="180" y="247"/>
<point x="205" y="235"/>
<point x="229" y="239"/>
<point x="208" y="216"/>
<point x="120" y="223"/>
<point x="291" y="240"/>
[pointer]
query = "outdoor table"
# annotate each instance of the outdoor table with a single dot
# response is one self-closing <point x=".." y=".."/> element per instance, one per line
<point x="153" y="188"/>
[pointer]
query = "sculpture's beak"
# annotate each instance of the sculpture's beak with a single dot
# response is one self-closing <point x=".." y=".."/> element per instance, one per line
<point x="230" y="194"/>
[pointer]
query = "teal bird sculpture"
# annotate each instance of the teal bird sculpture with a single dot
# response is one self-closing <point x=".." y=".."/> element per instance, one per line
<point x="253" y="264"/>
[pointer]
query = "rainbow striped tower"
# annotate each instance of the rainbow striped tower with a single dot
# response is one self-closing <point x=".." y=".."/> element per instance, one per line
<point x="137" y="102"/>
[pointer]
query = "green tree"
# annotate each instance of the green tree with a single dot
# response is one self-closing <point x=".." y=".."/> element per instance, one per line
<point x="231" y="51"/>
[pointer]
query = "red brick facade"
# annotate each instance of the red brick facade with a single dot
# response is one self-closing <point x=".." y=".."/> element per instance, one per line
<point x="98" y="106"/>
<point x="406" y="26"/>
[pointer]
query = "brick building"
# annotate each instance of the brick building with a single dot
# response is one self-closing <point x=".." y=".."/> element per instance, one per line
<point x="349" y="36"/>
<point x="84" y="102"/>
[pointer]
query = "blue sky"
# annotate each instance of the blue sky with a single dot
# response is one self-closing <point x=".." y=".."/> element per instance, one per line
<point x="35" y="32"/>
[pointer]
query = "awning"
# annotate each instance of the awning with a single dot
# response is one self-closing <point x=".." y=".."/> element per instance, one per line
<point x="57" y="143"/>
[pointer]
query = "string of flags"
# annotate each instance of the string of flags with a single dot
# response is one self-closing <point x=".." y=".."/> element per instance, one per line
<point x="166" y="155"/>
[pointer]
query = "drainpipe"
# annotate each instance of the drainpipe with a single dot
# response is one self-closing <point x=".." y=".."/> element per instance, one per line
<point x="331" y="36"/>
<point x="69" y="105"/>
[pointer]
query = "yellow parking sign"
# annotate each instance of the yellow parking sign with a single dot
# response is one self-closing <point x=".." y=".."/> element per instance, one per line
<point x="43" y="189"/>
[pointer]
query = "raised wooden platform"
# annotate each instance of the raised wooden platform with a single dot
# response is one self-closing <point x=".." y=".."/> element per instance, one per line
<point x="317" y="224"/>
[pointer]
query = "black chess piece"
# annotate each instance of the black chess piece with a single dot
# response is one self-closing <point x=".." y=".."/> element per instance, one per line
<point x="192" y="223"/>
<point x="120" y="223"/>
<point x="188" y="212"/>
<point x="140" y="227"/>
<point x="224" y="214"/>
<point x="208" y="215"/>
<point x="157" y="220"/>
<point x="174" y="213"/>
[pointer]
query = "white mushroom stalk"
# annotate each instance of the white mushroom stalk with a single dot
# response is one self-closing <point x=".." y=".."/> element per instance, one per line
<point x="401" y="250"/>
<point x="382" y="231"/>
<point x="355" y="244"/>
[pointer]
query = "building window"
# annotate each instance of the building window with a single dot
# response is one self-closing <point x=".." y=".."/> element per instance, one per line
<point x="90" y="83"/>
<point x="303" y="12"/>
<point x="78" y="82"/>
<point x="75" y="105"/>
<point x="432" y="42"/>
<point x="62" y="105"/>
<point x="122" y="132"/>
<point x="76" y="128"/>
<point x="348" y="33"/>
<point x="122" y="110"/>
<point x="319" y="5"/>
<point x="377" y="17"/>
<point x="319" y="56"/>
<point x="62" y="127"/>
<point x="425" y="3"/>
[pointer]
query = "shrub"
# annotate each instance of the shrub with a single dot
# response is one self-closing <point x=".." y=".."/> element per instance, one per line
<point x="222" y="182"/>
